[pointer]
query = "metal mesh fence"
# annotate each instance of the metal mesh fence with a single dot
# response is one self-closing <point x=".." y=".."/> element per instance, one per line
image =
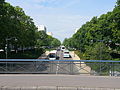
<point x="72" y="67"/>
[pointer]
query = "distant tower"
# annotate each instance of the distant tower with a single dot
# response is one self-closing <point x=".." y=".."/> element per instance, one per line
<point x="42" y="28"/>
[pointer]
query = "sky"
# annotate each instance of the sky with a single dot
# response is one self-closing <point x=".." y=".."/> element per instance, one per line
<point x="62" y="17"/>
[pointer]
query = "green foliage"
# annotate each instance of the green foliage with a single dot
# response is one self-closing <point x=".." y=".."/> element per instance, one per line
<point x="45" y="40"/>
<point x="55" y="42"/>
<point x="81" y="55"/>
<point x="98" y="52"/>
<point x="41" y="39"/>
<point x="28" y="54"/>
<point x="15" y="23"/>
<point x="118" y="2"/>
<point x="103" y="31"/>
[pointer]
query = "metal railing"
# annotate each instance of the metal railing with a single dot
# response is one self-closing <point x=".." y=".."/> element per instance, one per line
<point x="72" y="67"/>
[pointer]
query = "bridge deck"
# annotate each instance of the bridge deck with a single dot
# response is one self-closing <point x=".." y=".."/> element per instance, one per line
<point x="36" y="80"/>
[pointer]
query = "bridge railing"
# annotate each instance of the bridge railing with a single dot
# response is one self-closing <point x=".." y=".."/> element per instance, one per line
<point x="72" y="67"/>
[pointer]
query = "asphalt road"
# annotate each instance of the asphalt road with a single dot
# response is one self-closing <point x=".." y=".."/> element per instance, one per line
<point x="64" y="68"/>
<point x="36" y="80"/>
<point x="60" y="54"/>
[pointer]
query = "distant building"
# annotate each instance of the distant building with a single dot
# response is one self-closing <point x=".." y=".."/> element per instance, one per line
<point x="42" y="28"/>
<point x="50" y="33"/>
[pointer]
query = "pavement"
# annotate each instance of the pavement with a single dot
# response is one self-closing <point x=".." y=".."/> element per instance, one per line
<point x="70" y="82"/>
<point x="74" y="56"/>
<point x="47" y="53"/>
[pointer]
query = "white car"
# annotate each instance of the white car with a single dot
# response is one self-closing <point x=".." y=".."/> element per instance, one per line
<point x="66" y="54"/>
<point x="1" y="50"/>
<point x="53" y="55"/>
<point x="62" y="48"/>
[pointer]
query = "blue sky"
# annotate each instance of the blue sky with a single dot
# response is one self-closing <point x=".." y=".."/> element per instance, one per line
<point x="62" y="17"/>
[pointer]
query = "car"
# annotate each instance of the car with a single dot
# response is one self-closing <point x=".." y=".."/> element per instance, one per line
<point x="62" y="48"/>
<point x="52" y="55"/>
<point x="1" y="50"/>
<point x="66" y="54"/>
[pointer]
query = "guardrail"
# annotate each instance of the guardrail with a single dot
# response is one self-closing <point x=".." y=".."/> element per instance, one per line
<point x="72" y="67"/>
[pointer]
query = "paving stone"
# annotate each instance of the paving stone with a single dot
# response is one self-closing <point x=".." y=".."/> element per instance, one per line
<point x="116" y="89"/>
<point x="10" y="88"/>
<point x="67" y="88"/>
<point x="29" y="88"/>
<point x="85" y="88"/>
<point x="47" y="88"/>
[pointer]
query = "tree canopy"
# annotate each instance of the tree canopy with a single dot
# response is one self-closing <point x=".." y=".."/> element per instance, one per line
<point x="104" y="29"/>
<point x="15" y="23"/>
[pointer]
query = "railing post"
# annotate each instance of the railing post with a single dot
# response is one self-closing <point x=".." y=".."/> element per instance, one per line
<point x="51" y="66"/>
<point x="113" y="68"/>
<point x="100" y="68"/>
<point x="71" y="67"/>
<point x="36" y="66"/>
<point x="6" y="67"/>
<point x="80" y="66"/>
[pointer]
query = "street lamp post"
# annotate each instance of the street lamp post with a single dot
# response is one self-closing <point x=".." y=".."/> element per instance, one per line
<point x="6" y="46"/>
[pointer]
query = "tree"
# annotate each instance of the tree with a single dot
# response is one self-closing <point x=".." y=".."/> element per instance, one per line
<point x="45" y="40"/>
<point x="105" y="28"/>
<point x="15" y="23"/>
<point x="99" y="51"/>
<point x="55" y="42"/>
<point x="118" y="2"/>
<point x="41" y="39"/>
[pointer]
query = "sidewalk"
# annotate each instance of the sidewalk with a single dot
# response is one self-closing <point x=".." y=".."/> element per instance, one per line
<point x="58" y="82"/>
<point x="74" y="56"/>
<point x="47" y="52"/>
<point x="81" y="67"/>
